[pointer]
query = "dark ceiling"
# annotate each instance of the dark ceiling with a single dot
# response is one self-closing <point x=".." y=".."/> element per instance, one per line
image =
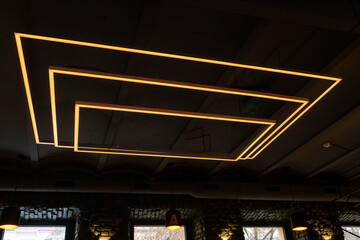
<point x="317" y="37"/>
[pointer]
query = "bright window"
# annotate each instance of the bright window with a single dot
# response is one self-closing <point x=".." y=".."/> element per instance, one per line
<point x="264" y="233"/>
<point x="348" y="230"/>
<point x="36" y="233"/>
<point x="158" y="233"/>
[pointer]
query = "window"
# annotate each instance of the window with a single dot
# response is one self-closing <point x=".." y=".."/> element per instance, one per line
<point x="36" y="233"/>
<point x="264" y="233"/>
<point x="158" y="233"/>
<point x="351" y="232"/>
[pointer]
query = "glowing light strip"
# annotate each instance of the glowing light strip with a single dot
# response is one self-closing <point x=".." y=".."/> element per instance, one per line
<point x="273" y="132"/>
<point x="297" y="117"/>
<point x="46" y="143"/>
<point x="101" y="148"/>
<point x="175" y="56"/>
<point x="174" y="84"/>
<point x="155" y="111"/>
<point x="27" y="86"/>
<point x="159" y="54"/>
<point x="53" y="108"/>
<point x="121" y="150"/>
<point x="157" y="155"/>
<point x="175" y="113"/>
<point x="118" y="77"/>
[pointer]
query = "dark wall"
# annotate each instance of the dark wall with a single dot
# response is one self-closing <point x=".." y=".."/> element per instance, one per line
<point x="112" y="215"/>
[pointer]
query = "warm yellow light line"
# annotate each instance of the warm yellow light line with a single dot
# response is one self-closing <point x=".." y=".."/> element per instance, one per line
<point x="52" y="144"/>
<point x="27" y="86"/>
<point x="166" y="83"/>
<point x="45" y="143"/>
<point x="76" y="128"/>
<point x="100" y="148"/>
<point x="298" y="116"/>
<point x="121" y="150"/>
<point x="194" y="157"/>
<point x="273" y="132"/>
<point x="175" y="56"/>
<point x="86" y="73"/>
<point x="170" y="84"/>
<point x="253" y="143"/>
<point x="100" y="106"/>
<point x="174" y="113"/>
<point x="53" y="107"/>
<point x="159" y="155"/>
<point x="65" y="146"/>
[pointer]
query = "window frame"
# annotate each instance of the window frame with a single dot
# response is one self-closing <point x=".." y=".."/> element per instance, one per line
<point x="350" y="225"/>
<point x="69" y="224"/>
<point x="284" y="225"/>
<point x="157" y="223"/>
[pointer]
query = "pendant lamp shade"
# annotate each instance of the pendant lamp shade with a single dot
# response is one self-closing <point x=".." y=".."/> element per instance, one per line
<point x="10" y="218"/>
<point x="173" y="219"/>
<point x="298" y="222"/>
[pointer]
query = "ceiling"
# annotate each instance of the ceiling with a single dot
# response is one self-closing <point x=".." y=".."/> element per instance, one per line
<point x="313" y="37"/>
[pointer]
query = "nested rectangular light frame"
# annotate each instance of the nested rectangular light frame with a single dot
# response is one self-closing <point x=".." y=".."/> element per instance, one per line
<point x="155" y="111"/>
<point x="166" y="83"/>
<point x="268" y="140"/>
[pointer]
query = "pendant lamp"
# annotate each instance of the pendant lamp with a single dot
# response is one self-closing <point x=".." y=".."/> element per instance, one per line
<point x="298" y="222"/>
<point x="10" y="218"/>
<point x="173" y="219"/>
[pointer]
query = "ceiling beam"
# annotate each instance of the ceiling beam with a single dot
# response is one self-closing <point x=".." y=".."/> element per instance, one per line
<point x="348" y="153"/>
<point x="225" y="79"/>
<point x="356" y="176"/>
<point x="334" y="162"/>
<point x="332" y="68"/>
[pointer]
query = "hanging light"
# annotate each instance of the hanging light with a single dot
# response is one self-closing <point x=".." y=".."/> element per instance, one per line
<point x="173" y="219"/>
<point x="10" y="218"/>
<point x="298" y="222"/>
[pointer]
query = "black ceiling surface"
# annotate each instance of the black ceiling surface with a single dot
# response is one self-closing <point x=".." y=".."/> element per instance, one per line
<point x="321" y="41"/>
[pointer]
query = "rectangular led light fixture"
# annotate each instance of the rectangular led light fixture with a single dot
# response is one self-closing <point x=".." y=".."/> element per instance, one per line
<point x="249" y="153"/>
<point x="155" y="111"/>
<point x="165" y="83"/>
